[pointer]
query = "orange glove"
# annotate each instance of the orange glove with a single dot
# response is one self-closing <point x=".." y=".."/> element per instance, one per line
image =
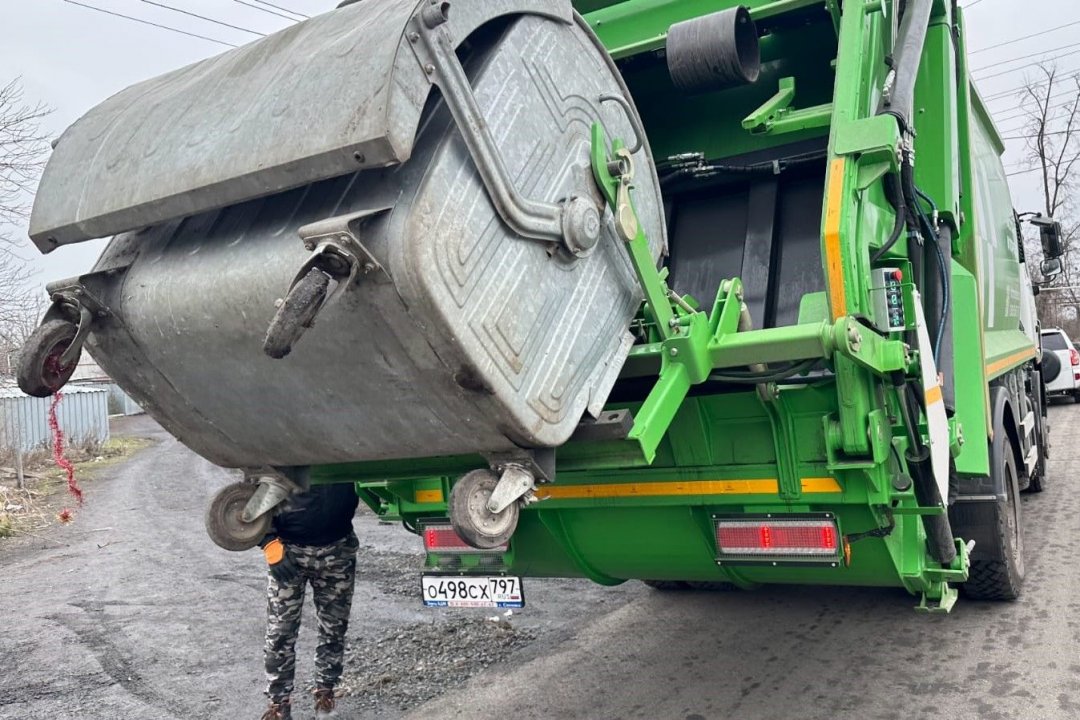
<point x="281" y="565"/>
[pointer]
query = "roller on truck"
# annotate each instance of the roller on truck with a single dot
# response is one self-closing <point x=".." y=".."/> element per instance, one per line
<point x="683" y="292"/>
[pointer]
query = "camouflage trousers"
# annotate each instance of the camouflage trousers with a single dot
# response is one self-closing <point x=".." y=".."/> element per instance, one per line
<point x="331" y="572"/>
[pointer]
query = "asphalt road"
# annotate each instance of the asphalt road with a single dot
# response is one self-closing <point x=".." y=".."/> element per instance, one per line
<point x="147" y="619"/>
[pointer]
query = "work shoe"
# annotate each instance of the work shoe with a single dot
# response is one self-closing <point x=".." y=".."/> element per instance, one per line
<point x="324" y="702"/>
<point x="278" y="710"/>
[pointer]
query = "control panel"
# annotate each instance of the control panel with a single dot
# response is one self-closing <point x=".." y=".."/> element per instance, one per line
<point x="887" y="292"/>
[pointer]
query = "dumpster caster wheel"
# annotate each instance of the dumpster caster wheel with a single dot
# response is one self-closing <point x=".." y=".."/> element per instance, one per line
<point x="225" y="522"/>
<point x="40" y="373"/>
<point x="296" y="313"/>
<point x="469" y="513"/>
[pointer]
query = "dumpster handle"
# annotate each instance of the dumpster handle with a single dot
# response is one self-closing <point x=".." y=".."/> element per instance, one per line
<point x="639" y="132"/>
<point x="575" y="224"/>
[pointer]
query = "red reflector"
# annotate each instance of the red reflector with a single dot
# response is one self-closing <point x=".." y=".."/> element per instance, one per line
<point x="443" y="539"/>
<point x="801" y="538"/>
<point x="1074" y="357"/>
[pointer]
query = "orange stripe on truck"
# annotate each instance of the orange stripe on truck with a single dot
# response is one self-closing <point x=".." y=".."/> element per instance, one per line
<point x="1010" y="360"/>
<point x="763" y="486"/>
<point x="834" y="261"/>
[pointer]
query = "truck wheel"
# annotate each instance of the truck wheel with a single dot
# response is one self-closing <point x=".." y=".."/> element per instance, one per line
<point x="225" y="522"/>
<point x="469" y="515"/>
<point x="997" y="572"/>
<point x="39" y="371"/>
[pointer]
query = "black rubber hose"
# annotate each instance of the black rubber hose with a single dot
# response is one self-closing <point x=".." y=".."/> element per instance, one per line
<point x="920" y="468"/>
<point x="895" y="197"/>
<point x="916" y="251"/>
<point x="766" y="377"/>
<point x="907" y="55"/>
<point x="938" y="529"/>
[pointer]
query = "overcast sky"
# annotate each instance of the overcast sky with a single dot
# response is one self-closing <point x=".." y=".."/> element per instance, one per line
<point x="71" y="58"/>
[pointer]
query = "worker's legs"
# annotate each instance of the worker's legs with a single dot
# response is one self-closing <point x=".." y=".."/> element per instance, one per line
<point x="332" y="591"/>
<point x="283" y="604"/>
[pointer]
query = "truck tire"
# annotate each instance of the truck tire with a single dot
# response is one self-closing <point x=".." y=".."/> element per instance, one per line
<point x="997" y="572"/>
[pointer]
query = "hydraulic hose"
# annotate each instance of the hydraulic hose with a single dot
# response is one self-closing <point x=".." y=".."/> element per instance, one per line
<point x="900" y="100"/>
<point x="938" y="529"/>
<point x="895" y="197"/>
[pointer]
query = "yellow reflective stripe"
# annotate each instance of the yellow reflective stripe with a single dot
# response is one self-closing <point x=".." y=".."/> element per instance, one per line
<point x="429" y="496"/>
<point x="1009" y="361"/>
<point x="933" y="395"/>
<point x="834" y="260"/>
<point x="764" y="486"/>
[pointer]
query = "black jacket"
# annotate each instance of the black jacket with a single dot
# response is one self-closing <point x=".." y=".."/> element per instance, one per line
<point x="321" y="516"/>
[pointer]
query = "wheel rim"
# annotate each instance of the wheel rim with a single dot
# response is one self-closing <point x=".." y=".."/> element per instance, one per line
<point x="487" y="523"/>
<point x="53" y="374"/>
<point x="232" y="513"/>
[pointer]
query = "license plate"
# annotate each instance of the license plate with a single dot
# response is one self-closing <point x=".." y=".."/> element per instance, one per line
<point x="472" y="591"/>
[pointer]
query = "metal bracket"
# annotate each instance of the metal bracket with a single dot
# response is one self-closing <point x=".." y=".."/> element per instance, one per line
<point x="574" y="224"/>
<point x="272" y="491"/>
<point x="539" y="461"/>
<point x="337" y="249"/>
<point x="73" y="298"/>
<point x="515" y="483"/>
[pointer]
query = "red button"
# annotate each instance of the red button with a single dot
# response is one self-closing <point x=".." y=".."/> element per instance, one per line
<point x="897" y="275"/>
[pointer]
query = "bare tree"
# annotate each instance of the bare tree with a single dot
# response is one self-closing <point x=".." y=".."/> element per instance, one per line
<point x="23" y="149"/>
<point x="1052" y="103"/>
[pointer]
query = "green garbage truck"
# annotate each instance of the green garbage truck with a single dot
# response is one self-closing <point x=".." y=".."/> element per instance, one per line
<point x="681" y="291"/>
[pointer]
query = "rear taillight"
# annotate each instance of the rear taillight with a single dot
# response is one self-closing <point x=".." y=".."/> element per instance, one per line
<point x="1074" y="357"/>
<point x="441" y="539"/>
<point x="773" y="540"/>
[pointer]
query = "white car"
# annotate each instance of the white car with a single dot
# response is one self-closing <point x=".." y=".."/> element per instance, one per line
<point x="1066" y="381"/>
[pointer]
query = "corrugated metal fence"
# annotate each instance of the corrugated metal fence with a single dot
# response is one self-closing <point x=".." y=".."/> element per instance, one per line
<point x="24" y="421"/>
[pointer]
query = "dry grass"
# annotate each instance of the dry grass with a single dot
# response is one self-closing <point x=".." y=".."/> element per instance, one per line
<point x="37" y="506"/>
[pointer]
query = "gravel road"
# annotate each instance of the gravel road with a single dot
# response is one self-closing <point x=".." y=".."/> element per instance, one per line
<point x="131" y="611"/>
<point x="149" y="620"/>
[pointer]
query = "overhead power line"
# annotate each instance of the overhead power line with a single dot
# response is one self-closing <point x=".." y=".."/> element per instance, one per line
<point x="202" y="17"/>
<point x="1021" y="39"/>
<point x="153" y="24"/>
<point x="1026" y="113"/>
<point x="971" y="4"/>
<point x="1046" y="134"/>
<point x="1011" y="92"/>
<point x="1028" y="57"/>
<point x="278" y="7"/>
<point x="1037" y="61"/>
<point x="260" y="8"/>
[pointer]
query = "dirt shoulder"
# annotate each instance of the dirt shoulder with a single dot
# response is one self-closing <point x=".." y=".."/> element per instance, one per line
<point x="28" y="513"/>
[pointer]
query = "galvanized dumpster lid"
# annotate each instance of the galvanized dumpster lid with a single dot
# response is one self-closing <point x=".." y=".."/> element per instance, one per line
<point x="320" y="99"/>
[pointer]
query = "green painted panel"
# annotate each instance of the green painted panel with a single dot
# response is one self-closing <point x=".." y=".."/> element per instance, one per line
<point x="969" y="377"/>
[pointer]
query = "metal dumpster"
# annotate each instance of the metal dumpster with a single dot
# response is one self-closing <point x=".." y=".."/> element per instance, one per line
<point x="372" y="235"/>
